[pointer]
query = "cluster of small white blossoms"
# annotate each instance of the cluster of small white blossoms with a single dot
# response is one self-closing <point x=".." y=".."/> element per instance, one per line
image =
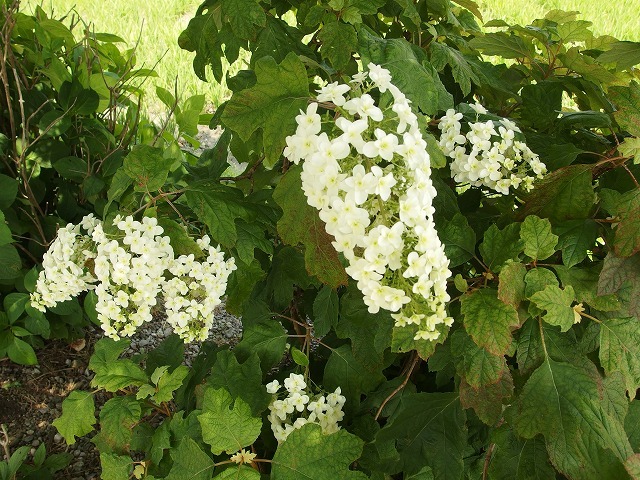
<point x="489" y="154"/>
<point x="128" y="271"/>
<point x="300" y="407"/>
<point x="195" y="291"/>
<point x="368" y="173"/>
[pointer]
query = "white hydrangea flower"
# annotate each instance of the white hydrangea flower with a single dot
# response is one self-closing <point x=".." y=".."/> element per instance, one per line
<point x="488" y="155"/>
<point x="301" y="406"/>
<point x="368" y="174"/>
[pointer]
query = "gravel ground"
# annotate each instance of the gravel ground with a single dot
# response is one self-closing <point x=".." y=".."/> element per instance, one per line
<point x="31" y="397"/>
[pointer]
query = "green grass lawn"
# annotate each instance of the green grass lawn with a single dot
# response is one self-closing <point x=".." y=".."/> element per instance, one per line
<point x="157" y="24"/>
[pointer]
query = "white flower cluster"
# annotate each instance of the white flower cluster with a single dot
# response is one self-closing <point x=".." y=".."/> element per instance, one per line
<point x="195" y="291"/>
<point x="368" y="173"/>
<point x="300" y="403"/>
<point x="489" y="154"/>
<point x="66" y="264"/>
<point x="128" y="270"/>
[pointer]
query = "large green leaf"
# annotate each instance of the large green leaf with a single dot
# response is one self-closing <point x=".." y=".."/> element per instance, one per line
<point x="475" y="364"/>
<point x="501" y="44"/>
<point x="300" y="223"/>
<point x="539" y="242"/>
<point x="557" y="303"/>
<point x="624" y="54"/>
<point x="111" y="372"/>
<point x="562" y="401"/>
<point x="499" y="246"/>
<point x="622" y="276"/>
<point x="511" y="289"/>
<point x="190" y="462"/>
<point x="114" y="466"/>
<point x="147" y="167"/>
<point x="515" y="458"/>
<point x="627" y="101"/>
<point x="429" y="429"/>
<point x="459" y="240"/>
<point x="262" y="334"/>
<point x="241" y="380"/>
<point x="271" y="104"/>
<point x="627" y="239"/>
<point x="227" y="425"/>
<point x="564" y="194"/>
<point x="241" y="472"/>
<point x="576" y="237"/>
<point x="487" y="401"/>
<point x="308" y="454"/>
<point x="10" y="262"/>
<point x="411" y="73"/>
<point x="245" y="16"/>
<point x="118" y="417"/>
<point x="339" y="41"/>
<point x="325" y="311"/>
<point x="620" y="350"/>
<point x="489" y="320"/>
<point x="77" y="417"/>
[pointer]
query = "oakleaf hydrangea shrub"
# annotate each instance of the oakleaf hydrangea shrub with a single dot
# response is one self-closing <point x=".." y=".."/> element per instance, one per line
<point x="368" y="174"/>
<point x="129" y="267"/>
<point x="435" y="242"/>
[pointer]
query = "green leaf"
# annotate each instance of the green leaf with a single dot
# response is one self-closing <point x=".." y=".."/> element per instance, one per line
<point x="431" y="427"/>
<point x="487" y="401"/>
<point x="250" y="237"/>
<point x="14" y="304"/>
<point x="557" y="303"/>
<point x="190" y="462"/>
<point x="240" y="380"/>
<point x="564" y="194"/>
<point x="630" y="147"/>
<point x="541" y="103"/>
<point x="619" y="275"/>
<point x="627" y="101"/>
<point x="169" y="383"/>
<point x="511" y="286"/>
<point x="262" y="335"/>
<point x="77" y="417"/>
<point x="627" y="239"/>
<point x="409" y="69"/>
<point x="112" y="373"/>
<point x="118" y="417"/>
<point x="227" y="425"/>
<point x="241" y="472"/>
<point x="218" y="207"/>
<point x="499" y="246"/>
<point x="488" y="320"/>
<point x="5" y="232"/>
<point x="476" y="365"/>
<point x="298" y="357"/>
<point x="8" y="190"/>
<point x="537" y="279"/>
<point x="459" y="240"/>
<point x="325" y="311"/>
<point x="115" y="467"/>
<point x="300" y="223"/>
<point x="147" y="168"/>
<point x="620" y="350"/>
<point x="10" y="262"/>
<point x="539" y="242"/>
<point x="515" y="458"/>
<point x="307" y="453"/>
<point x="339" y="41"/>
<point x="271" y="104"/>
<point x="562" y="402"/>
<point x="181" y="242"/>
<point x="575" y="238"/>
<point x="624" y="54"/>
<point x="501" y="44"/>
<point x="21" y="352"/>
<point x="244" y="16"/>
<point x="631" y="421"/>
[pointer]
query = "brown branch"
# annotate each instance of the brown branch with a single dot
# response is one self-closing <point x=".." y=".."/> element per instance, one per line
<point x="407" y="375"/>
<point x="487" y="461"/>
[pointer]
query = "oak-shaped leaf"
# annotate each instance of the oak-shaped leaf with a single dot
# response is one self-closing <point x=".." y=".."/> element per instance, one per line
<point x="489" y="320"/>
<point x="563" y="402"/>
<point x="539" y="241"/>
<point x="271" y="105"/>
<point x="300" y="223"/>
<point x="308" y="453"/>
<point x="190" y="462"/>
<point x="620" y="350"/>
<point x="429" y="429"/>
<point x="78" y="416"/>
<point x="118" y="417"/>
<point x="557" y="303"/>
<point x="227" y="425"/>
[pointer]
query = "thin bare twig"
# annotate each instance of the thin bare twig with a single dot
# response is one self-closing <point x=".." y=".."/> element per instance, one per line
<point x="409" y="371"/>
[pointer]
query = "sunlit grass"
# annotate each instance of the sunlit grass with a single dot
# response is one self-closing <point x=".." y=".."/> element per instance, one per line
<point x="155" y="26"/>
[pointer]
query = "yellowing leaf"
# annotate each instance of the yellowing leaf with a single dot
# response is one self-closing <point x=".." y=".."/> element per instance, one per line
<point x="557" y="303"/>
<point x="77" y="417"/>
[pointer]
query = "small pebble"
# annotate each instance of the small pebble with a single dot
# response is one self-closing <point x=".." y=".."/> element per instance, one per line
<point x="57" y="438"/>
<point x="35" y="443"/>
